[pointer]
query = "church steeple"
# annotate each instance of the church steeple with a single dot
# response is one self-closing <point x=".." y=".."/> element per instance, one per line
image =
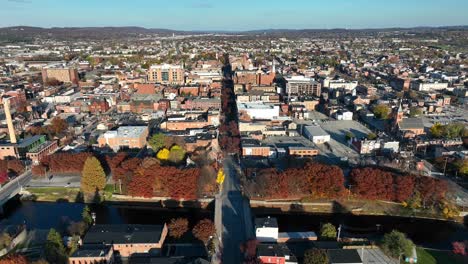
<point x="398" y="114"/>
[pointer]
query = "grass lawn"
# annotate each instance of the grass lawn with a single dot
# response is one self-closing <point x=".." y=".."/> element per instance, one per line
<point x="439" y="257"/>
<point x="53" y="194"/>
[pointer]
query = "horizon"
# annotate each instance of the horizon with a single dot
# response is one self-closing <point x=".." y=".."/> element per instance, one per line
<point x="242" y="15"/>
<point x="235" y="31"/>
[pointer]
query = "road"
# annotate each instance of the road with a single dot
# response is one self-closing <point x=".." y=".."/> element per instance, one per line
<point x="13" y="187"/>
<point x="236" y="221"/>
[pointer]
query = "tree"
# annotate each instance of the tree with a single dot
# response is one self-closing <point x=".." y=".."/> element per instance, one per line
<point x="14" y="259"/>
<point x="178" y="227"/>
<point x="92" y="177"/>
<point x="203" y="230"/>
<point x="54" y="248"/>
<point x="58" y="125"/>
<point x="328" y="232"/>
<point x="5" y="240"/>
<point x="371" y="136"/>
<point x="315" y="256"/>
<point x="455" y="130"/>
<point x="460" y="248"/>
<point x="395" y="243"/>
<point x="163" y="154"/>
<point x="437" y="130"/>
<point x="371" y="183"/>
<point x="157" y="141"/>
<point x="176" y="154"/>
<point x="86" y="216"/>
<point x="415" y="111"/>
<point x="349" y="135"/>
<point x="141" y="183"/>
<point x="73" y="245"/>
<point x="76" y="228"/>
<point x="381" y="111"/>
<point x="462" y="167"/>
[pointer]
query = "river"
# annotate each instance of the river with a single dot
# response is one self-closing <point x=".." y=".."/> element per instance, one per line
<point x="45" y="215"/>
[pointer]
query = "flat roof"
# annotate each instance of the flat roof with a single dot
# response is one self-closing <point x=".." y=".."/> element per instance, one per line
<point x="266" y="222"/>
<point x="123" y="234"/>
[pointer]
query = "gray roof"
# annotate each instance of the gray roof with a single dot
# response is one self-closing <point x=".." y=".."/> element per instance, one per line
<point x="316" y="131"/>
<point x="411" y="123"/>
<point x="123" y="234"/>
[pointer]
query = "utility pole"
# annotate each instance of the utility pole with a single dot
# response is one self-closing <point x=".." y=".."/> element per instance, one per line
<point x="445" y="166"/>
<point x="339" y="233"/>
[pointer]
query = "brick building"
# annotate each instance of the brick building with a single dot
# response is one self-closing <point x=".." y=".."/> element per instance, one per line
<point x="66" y="75"/>
<point x="166" y="74"/>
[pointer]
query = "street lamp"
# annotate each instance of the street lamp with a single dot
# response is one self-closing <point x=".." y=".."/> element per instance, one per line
<point x="93" y="216"/>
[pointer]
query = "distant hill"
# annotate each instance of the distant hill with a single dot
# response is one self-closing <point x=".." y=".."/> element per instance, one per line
<point x="27" y="32"/>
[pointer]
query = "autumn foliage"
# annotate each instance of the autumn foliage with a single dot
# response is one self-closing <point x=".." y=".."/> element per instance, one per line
<point x="62" y="163"/>
<point x="203" y="230"/>
<point x="178" y="227"/>
<point x="318" y="180"/>
<point x="376" y="184"/>
<point x="14" y="259"/>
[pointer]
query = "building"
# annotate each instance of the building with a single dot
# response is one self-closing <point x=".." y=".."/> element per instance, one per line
<point x="428" y="86"/>
<point x="316" y="134"/>
<point x="266" y="229"/>
<point x="38" y="153"/>
<point x="300" y="85"/>
<point x="66" y="75"/>
<point x="127" y="239"/>
<point x="259" y="110"/>
<point x="166" y="74"/>
<point x="411" y="127"/>
<point x="275" y="254"/>
<point x="99" y="106"/>
<point x="92" y="254"/>
<point x="124" y="137"/>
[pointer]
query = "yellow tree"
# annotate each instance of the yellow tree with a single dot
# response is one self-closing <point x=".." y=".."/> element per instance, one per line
<point x="163" y="154"/>
<point x="92" y="176"/>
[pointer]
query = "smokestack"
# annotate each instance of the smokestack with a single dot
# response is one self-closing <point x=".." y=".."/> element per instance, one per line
<point x="11" y="128"/>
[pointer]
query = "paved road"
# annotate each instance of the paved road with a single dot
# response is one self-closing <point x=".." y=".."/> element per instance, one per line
<point x="237" y="225"/>
<point x="56" y="181"/>
<point x="11" y="188"/>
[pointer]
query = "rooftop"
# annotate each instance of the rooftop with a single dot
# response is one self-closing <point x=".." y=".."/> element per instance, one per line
<point x="123" y="234"/>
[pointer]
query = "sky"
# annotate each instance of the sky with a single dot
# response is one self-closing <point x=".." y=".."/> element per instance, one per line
<point x="234" y="15"/>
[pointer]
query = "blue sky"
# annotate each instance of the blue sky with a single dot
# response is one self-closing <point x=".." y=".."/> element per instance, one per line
<point x="234" y="14"/>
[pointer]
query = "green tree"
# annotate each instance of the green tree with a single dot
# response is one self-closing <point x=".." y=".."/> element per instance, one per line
<point x="157" y="141"/>
<point x="54" y="248"/>
<point x="454" y="130"/>
<point x="86" y="215"/>
<point x="381" y="111"/>
<point x="415" y="111"/>
<point x="315" y="256"/>
<point x="74" y="244"/>
<point x="395" y="243"/>
<point x="349" y="135"/>
<point x="437" y="130"/>
<point x="92" y="176"/>
<point x="328" y="232"/>
<point x="371" y="136"/>
<point x="462" y="167"/>
<point x="176" y="154"/>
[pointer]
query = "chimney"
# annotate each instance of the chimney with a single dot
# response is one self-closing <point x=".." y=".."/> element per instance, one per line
<point x="11" y="128"/>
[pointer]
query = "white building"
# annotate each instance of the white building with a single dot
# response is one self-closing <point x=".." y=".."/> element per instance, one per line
<point x="428" y="86"/>
<point x="259" y="110"/>
<point x="266" y="229"/>
<point x="316" y="134"/>
<point x="344" y="115"/>
<point x="337" y="84"/>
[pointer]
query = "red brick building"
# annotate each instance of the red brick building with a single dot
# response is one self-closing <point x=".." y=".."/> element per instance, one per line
<point x="99" y="106"/>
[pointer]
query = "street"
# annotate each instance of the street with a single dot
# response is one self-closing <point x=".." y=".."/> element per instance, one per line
<point x="237" y="225"/>
<point x="12" y="188"/>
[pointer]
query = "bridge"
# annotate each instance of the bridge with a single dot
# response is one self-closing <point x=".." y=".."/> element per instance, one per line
<point x="13" y="188"/>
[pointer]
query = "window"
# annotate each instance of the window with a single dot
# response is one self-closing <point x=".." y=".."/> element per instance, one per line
<point x="165" y="76"/>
